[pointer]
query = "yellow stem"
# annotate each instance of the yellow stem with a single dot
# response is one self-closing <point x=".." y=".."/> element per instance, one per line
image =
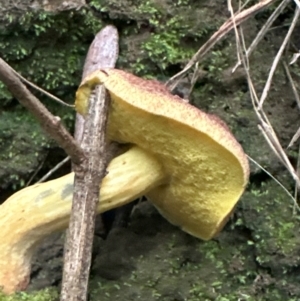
<point x="33" y="213"/>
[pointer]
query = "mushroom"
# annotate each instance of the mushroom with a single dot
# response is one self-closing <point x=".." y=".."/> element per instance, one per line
<point x="31" y="214"/>
<point x="206" y="169"/>
<point x="185" y="161"/>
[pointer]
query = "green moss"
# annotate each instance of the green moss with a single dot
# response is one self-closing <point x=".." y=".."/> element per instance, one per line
<point x="25" y="150"/>
<point x="254" y="258"/>
<point x="48" y="49"/>
<point x="173" y="36"/>
<point x="49" y="294"/>
<point x="275" y="226"/>
<point x="158" y="35"/>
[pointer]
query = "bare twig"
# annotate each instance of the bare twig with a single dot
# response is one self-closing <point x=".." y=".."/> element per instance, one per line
<point x="269" y="134"/>
<point x="264" y="30"/>
<point x="265" y="127"/>
<point x="40" y="89"/>
<point x="295" y="58"/>
<point x="216" y="37"/>
<point x="55" y="168"/>
<point x="35" y="172"/>
<point x="296" y="206"/>
<point x="288" y="73"/>
<point x="297" y="3"/>
<point x="294" y="138"/>
<point x="78" y="246"/>
<point x="51" y="124"/>
<point x="277" y="59"/>
<point x="297" y="171"/>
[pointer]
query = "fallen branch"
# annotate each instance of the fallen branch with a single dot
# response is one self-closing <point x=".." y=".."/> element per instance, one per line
<point x="88" y="176"/>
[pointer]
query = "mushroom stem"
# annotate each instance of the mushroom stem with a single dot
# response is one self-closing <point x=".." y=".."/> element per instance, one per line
<point x="34" y="212"/>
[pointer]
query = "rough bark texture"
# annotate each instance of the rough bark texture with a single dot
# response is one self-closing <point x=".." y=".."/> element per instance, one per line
<point x="102" y="53"/>
<point x="88" y="176"/>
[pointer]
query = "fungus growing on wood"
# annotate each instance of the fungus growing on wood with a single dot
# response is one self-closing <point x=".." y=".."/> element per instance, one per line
<point x="185" y="161"/>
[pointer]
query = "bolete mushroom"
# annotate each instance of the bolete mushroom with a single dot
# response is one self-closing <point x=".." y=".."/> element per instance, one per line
<point x="206" y="169"/>
<point x="185" y="161"/>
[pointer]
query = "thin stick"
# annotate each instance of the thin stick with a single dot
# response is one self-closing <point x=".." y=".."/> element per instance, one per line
<point x="277" y="59"/>
<point x="40" y="89"/>
<point x="263" y="31"/>
<point x="296" y="206"/>
<point x="51" y="124"/>
<point x="288" y="73"/>
<point x="266" y="127"/>
<point x="103" y="53"/>
<point x="297" y="171"/>
<point x="287" y="70"/>
<point x="297" y="3"/>
<point x="36" y="171"/>
<point x="294" y="138"/>
<point x="79" y="241"/>
<point x="54" y="169"/>
<point x="216" y="37"/>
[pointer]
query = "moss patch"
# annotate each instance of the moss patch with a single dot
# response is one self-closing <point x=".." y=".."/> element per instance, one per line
<point x="49" y="294"/>
<point x="23" y="146"/>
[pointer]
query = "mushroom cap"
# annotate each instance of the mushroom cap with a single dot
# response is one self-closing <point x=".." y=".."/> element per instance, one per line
<point x="206" y="168"/>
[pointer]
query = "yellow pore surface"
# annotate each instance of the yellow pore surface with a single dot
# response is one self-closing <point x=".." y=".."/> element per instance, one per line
<point x="206" y="167"/>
